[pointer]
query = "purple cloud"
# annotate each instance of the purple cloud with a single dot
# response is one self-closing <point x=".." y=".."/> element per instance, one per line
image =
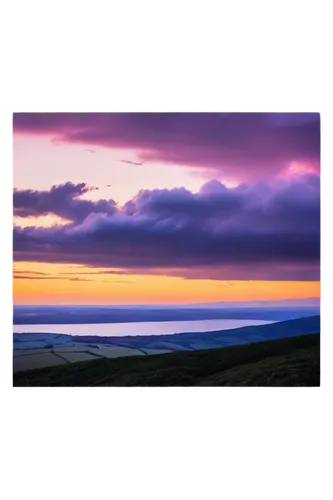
<point x="63" y="200"/>
<point x="253" y="231"/>
<point x="230" y="143"/>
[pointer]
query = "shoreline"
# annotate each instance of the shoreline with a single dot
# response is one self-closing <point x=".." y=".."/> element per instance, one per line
<point x="46" y="349"/>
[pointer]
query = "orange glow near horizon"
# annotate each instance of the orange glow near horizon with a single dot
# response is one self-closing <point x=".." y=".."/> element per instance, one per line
<point x="41" y="283"/>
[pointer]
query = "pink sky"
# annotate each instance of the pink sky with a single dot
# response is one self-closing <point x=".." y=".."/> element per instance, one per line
<point x="208" y="197"/>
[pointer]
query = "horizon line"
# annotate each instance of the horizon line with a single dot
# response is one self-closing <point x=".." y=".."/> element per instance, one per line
<point x="173" y="304"/>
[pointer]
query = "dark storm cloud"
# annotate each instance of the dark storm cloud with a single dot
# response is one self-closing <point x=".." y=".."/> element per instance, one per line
<point x="266" y="231"/>
<point x="245" y="146"/>
<point x="63" y="200"/>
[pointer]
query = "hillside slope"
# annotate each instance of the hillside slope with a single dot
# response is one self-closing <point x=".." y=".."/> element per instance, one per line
<point x="217" y="338"/>
<point x="285" y="362"/>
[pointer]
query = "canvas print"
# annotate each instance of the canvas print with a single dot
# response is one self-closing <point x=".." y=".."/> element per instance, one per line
<point x="166" y="249"/>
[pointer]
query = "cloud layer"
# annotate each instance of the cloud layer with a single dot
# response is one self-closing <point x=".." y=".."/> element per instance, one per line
<point x="253" y="231"/>
<point x="244" y="146"/>
<point x="63" y="201"/>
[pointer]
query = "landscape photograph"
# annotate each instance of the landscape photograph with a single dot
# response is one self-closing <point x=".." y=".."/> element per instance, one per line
<point x="166" y="249"/>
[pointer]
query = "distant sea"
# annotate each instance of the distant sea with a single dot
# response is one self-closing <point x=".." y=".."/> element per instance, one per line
<point x="140" y="328"/>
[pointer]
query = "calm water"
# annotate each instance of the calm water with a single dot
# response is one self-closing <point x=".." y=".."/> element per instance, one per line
<point x="149" y="328"/>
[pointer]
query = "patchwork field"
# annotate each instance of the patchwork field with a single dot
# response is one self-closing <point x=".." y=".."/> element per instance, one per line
<point x="38" y="350"/>
<point x="32" y="361"/>
<point x="285" y="362"/>
<point x="73" y="348"/>
<point x="29" y="359"/>
<point x="108" y="351"/>
<point x="18" y="353"/>
<point x="156" y="351"/>
<point x="73" y="357"/>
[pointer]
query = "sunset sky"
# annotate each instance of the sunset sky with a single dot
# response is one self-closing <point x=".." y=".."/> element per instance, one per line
<point x="165" y="208"/>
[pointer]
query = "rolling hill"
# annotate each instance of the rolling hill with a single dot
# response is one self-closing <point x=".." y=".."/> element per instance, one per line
<point x="293" y="361"/>
<point x="39" y="350"/>
<point x="210" y="340"/>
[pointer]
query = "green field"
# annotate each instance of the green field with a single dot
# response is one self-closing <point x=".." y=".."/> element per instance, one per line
<point x="285" y="362"/>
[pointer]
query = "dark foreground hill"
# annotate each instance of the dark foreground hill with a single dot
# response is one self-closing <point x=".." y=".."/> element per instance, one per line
<point x="289" y="362"/>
